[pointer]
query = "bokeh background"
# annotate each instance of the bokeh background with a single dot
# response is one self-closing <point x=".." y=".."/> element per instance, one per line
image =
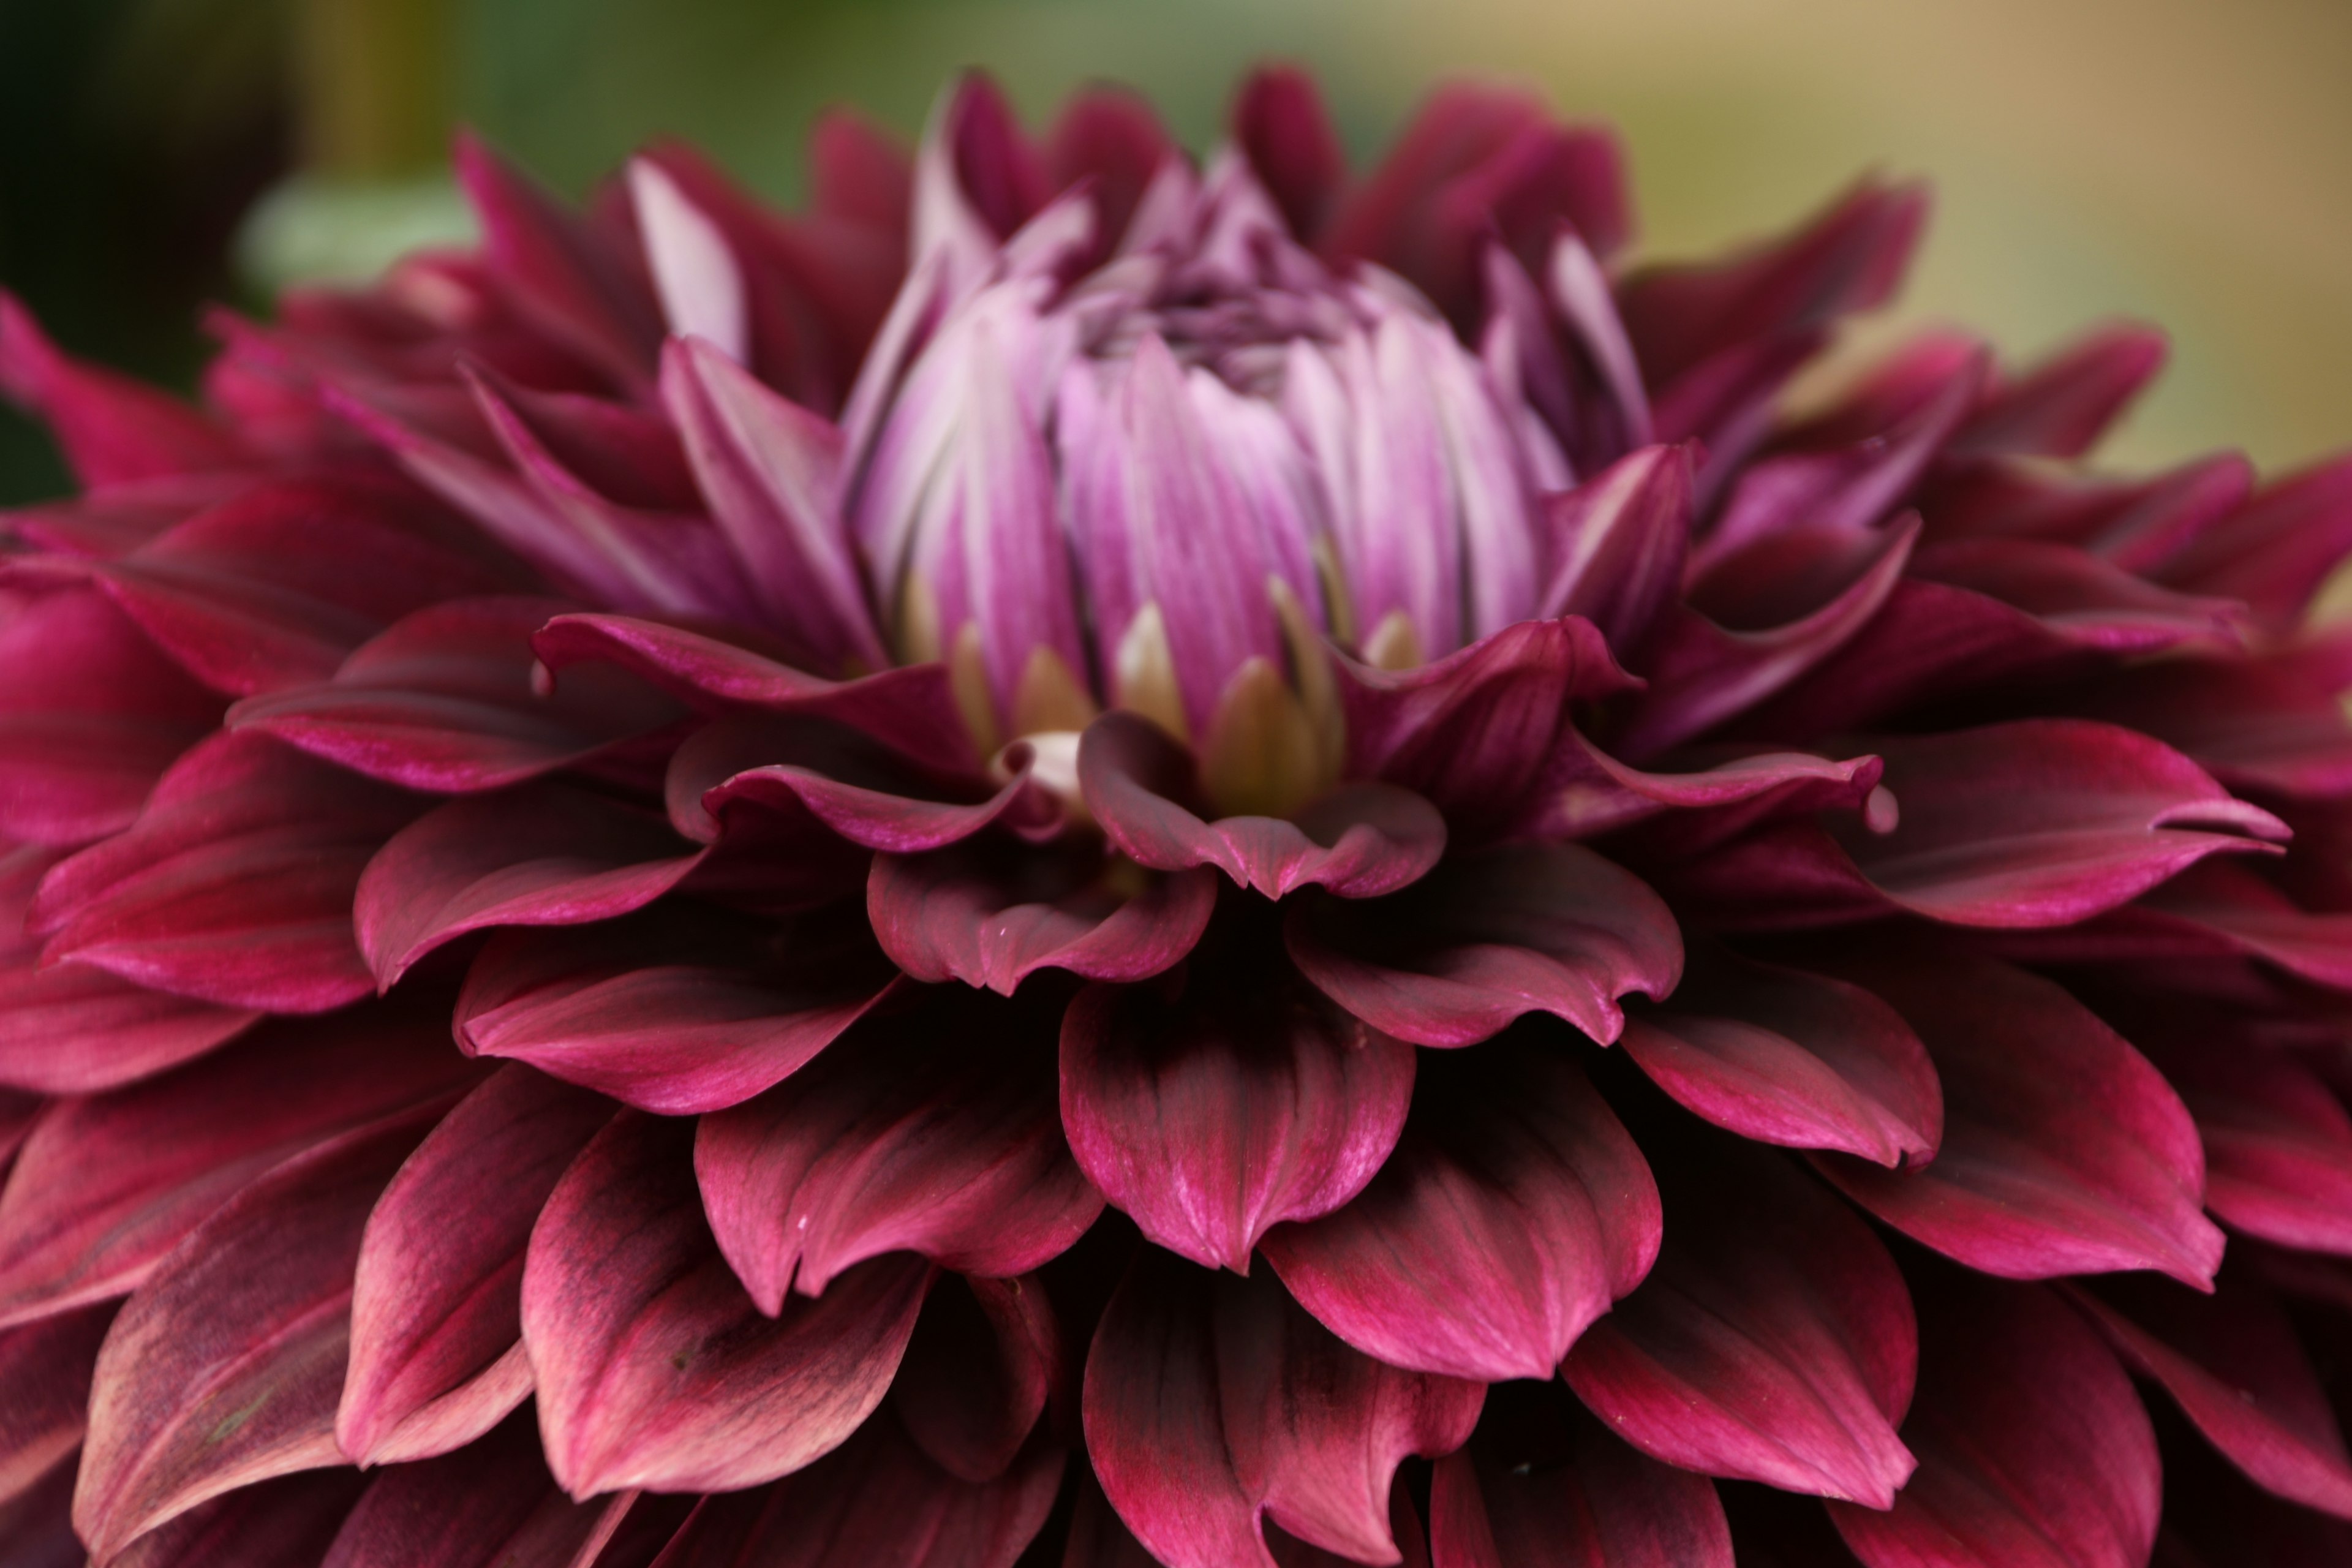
<point x="2187" y="161"/>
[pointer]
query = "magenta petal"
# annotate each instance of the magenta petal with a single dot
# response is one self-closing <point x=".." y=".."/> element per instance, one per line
<point x="90" y="714"/>
<point x="2032" y="1447"/>
<point x="1513" y="1212"/>
<point x="435" y="1309"/>
<point x="991" y="914"/>
<point x="1553" y="1489"/>
<point x="75" y="1030"/>
<point x="793" y="768"/>
<point x="2232" y="1363"/>
<point x="678" y="1012"/>
<point x="1212" y="1401"/>
<point x="931" y="1130"/>
<point x="878" y="1499"/>
<point x="2277" y="1140"/>
<point x="653" y="1368"/>
<point x="1487" y="937"/>
<point x="445" y="701"/>
<point x="44" y="1380"/>
<point x="1621" y="538"/>
<point x="276" y="586"/>
<point x="113" y="428"/>
<point x="911" y="709"/>
<point x="493" y="1505"/>
<point x="1782" y="1057"/>
<point x="235" y="885"/>
<point x="541" y="855"/>
<point x="771" y="473"/>
<point x="1360" y="841"/>
<point x="223" y="1369"/>
<point x="1225" y="1098"/>
<point x="2064" y="1151"/>
<point x="2078" y="597"/>
<point x="1473" y="731"/>
<point x="986" y="1357"/>
<point x="2044" y="821"/>
<point x="106" y="1186"/>
<point x="1773" y="1342"/>
<point x="555" y="273"/>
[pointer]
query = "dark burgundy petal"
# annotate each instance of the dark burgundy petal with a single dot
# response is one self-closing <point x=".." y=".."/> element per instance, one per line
<point x="877" y="1500"/>
<point x="1477" y="161"/>
<point x="114" y="429"/>
<point x="490" y="1505"/>
<point x="447" y="700"/>
<point x="541" y="854"/>
<point x="2042" y="821"/>
<point x="2278" y="1142"/>
<point x="2267" y="724"/>
<point x="1212" y="1402"/>
<point x="1542" y="1485"/>
<point x="1489" y="936"/>
<point x="1702" y="672"/>
<point x="104" y="1186"/>
<point x="2061" y="407"/>
<point x="932" y="1130"/>
<point x="288" y="1522"/>
<point x="1473" y="732"/>
<point x="1773" y="1342"/>
<point x="2136" y="524"/>
<point x="986" y="1356"/>
<point x="653" y="1368"/>
<point x="794" y="769"/>
<point x="2276" y="551"/>
<point x="1514" y="1211"/>
<point x="45" y="1377"/>
<point x="2219" y="906"/>
<point x="1849" y="258"/>
<point x="2064" y="1151"/>
<point x="1586" y="792"/>
<point x="1225" y="1098"/>
<point x="678" y="1012"/>
<point x="1360" y="841"/>
<point x="91" y="715"/>
<point x="2234" y="1364"/>
<point x="2033" y="1448"/>
<point x="2078" y="597"/>
<point x="277" y="586"/>
<point x="1281" y="126"/>
<point x="235" y="885"/>
<point x="1783" y="1057"/>
<point x="992" y="913"/>
<point x="435" y="1303"/>
<point x="912" y="710"/>
<point x="223" y="1370"/>
<point x="1619" y="538"/>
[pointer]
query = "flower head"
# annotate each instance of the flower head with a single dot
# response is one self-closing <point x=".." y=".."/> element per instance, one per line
<point x="1136" y="860"/>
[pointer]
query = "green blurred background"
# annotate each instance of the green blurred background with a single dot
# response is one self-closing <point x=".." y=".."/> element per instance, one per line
<point x="2188" y="162"/>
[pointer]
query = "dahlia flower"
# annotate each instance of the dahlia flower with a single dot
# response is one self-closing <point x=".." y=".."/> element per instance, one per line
<point x="1093" y="859"/>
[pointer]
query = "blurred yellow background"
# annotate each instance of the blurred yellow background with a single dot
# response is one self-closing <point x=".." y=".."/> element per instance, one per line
<point x="2185" y="161"/>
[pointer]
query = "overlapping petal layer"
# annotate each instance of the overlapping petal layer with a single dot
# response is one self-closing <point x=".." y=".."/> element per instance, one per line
<point x="1095" y="858"/>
